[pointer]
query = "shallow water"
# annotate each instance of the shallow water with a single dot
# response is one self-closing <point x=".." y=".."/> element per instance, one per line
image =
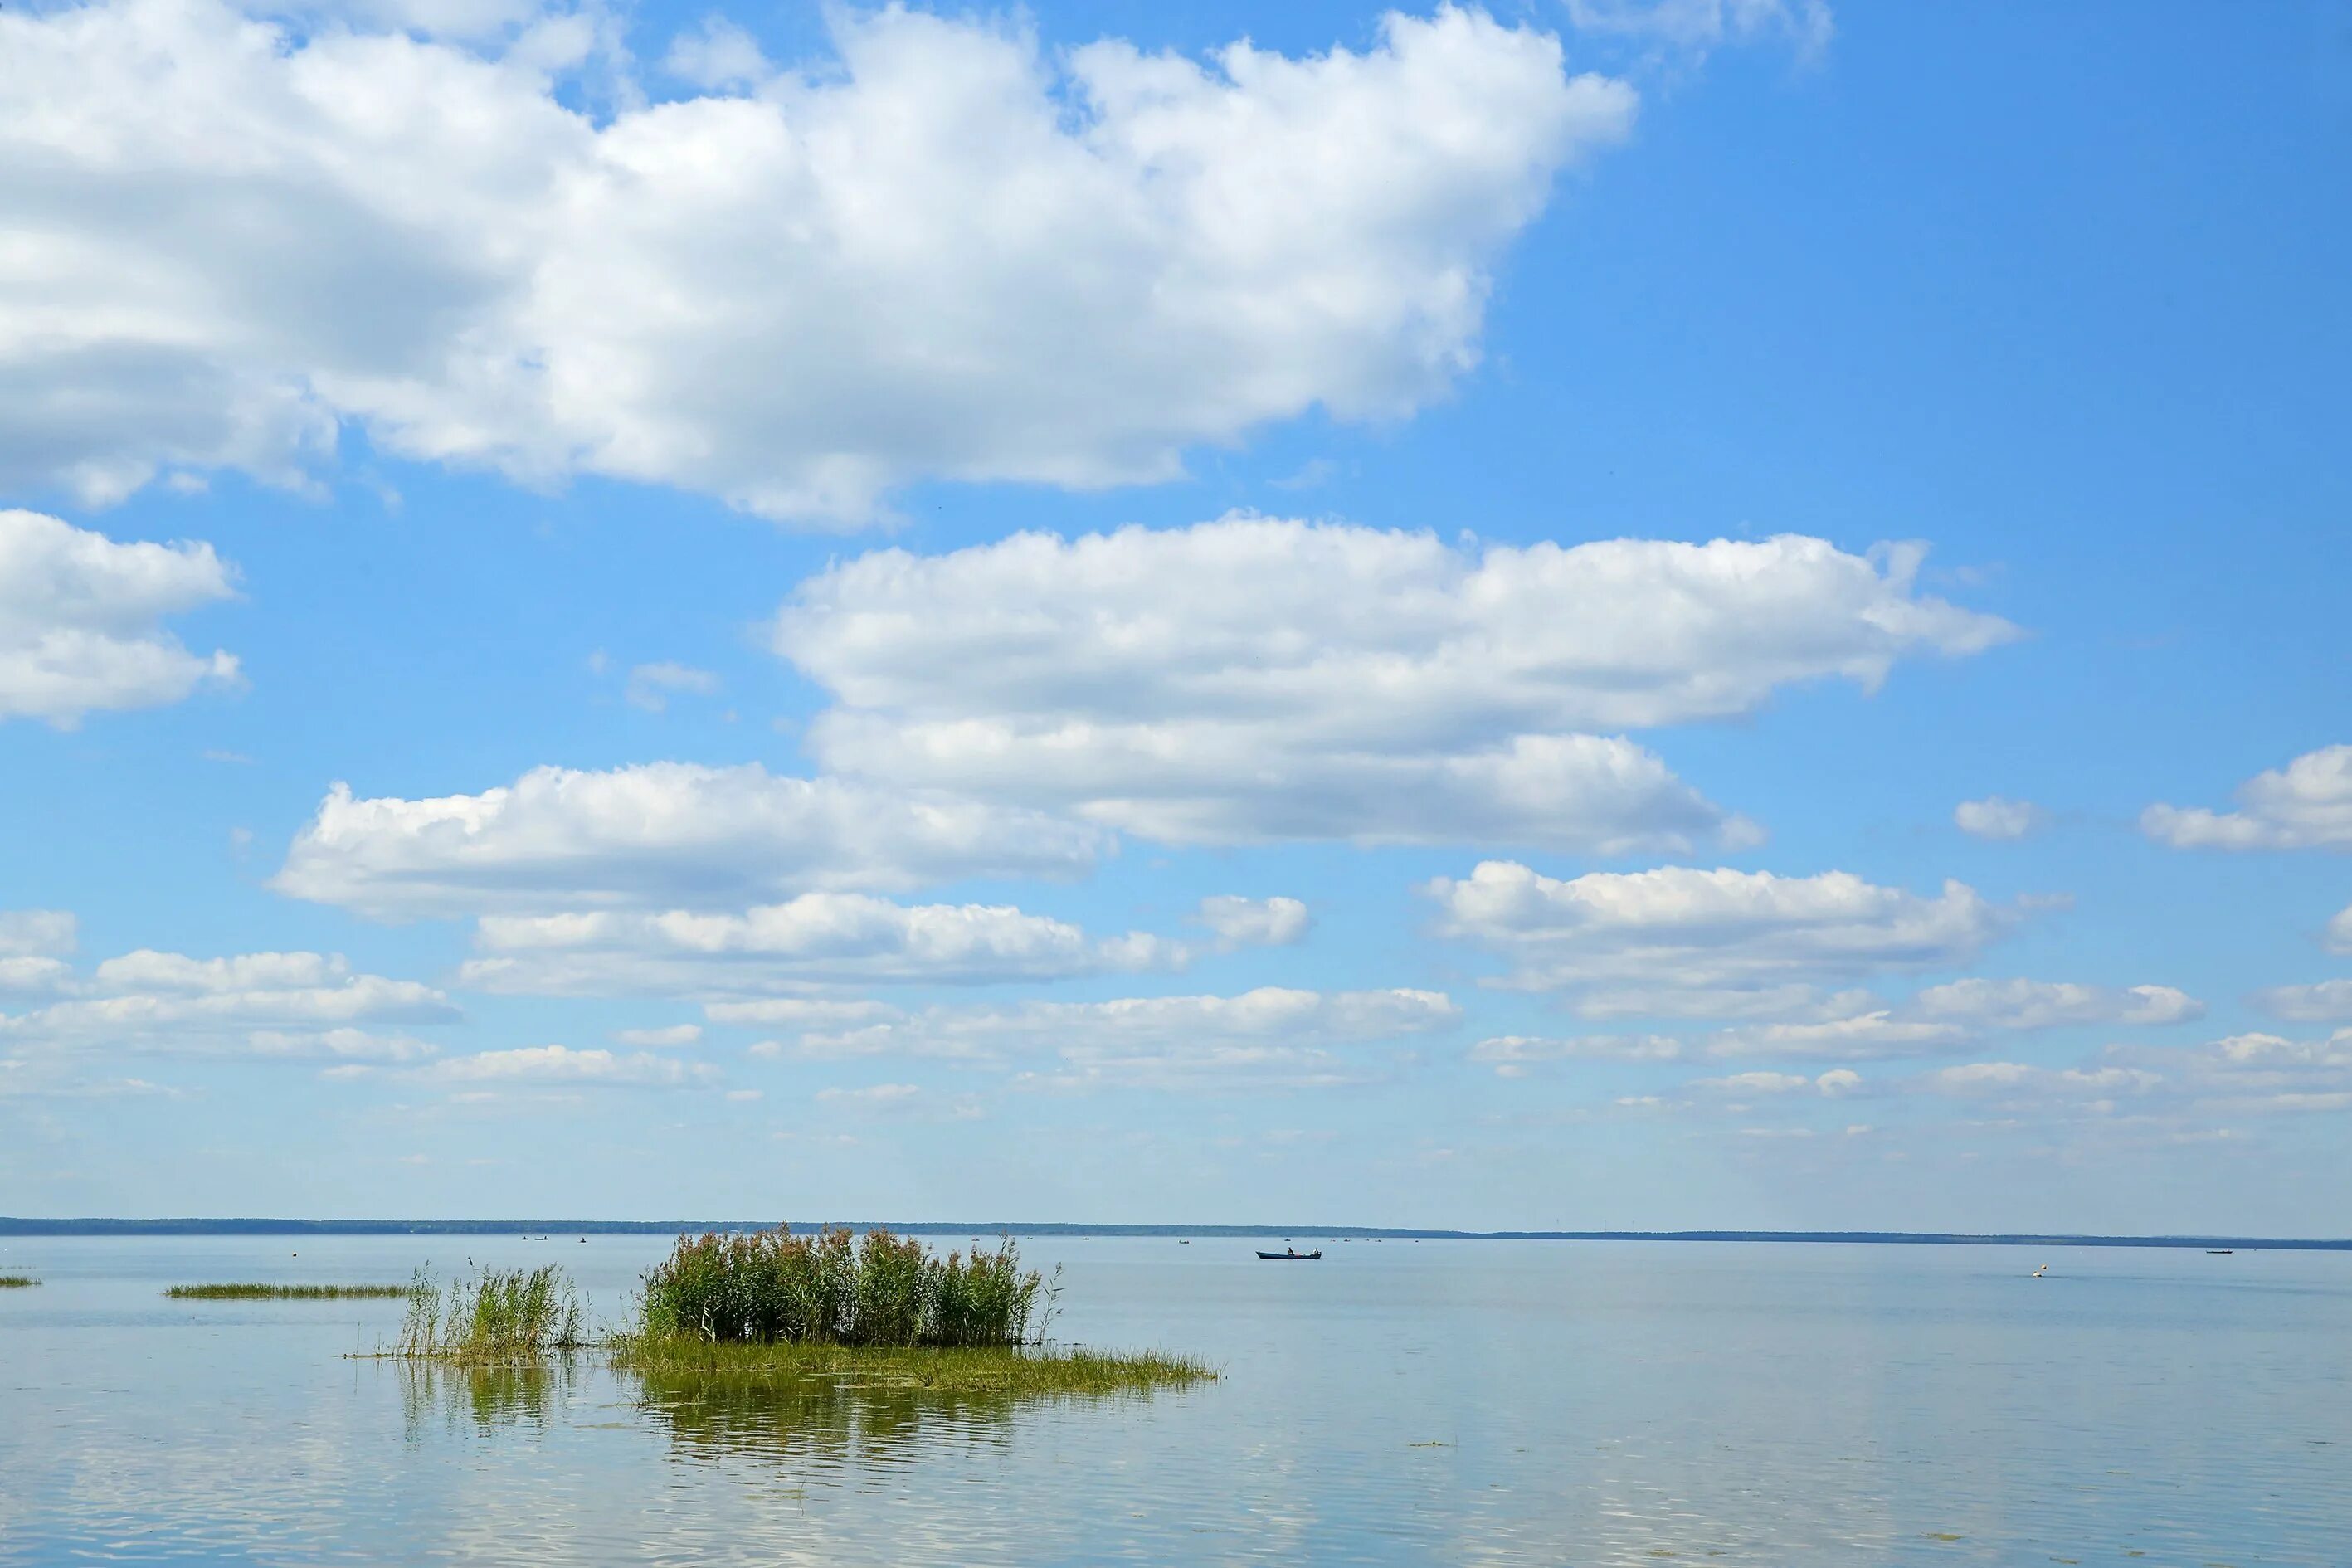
<point x="1438" y="1402"/>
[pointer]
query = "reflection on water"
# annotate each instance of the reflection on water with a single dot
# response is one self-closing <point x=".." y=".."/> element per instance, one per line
<point x="1487" y="1403"/>
<point x="835" y="1423"/>
<point x="436" y="1399"/>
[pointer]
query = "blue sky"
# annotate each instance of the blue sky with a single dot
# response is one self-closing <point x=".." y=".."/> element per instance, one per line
<point x="1504" y="774"/>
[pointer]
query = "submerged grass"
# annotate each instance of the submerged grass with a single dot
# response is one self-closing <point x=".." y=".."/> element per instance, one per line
<point x="288" y="1292"/>
<point x="786" y="1365"/>
<point x="17" y="1281"/>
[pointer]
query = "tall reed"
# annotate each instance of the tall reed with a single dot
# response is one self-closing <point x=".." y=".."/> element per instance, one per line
<point x="498" y="1315"/>
<point x="831" y="1288"/>
<point x="17" y="1281"/>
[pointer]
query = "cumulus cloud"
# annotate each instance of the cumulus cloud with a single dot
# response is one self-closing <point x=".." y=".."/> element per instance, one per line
<point x="1867" y="1037"/>
<point x="2337" y="938"/>
<point x="945" y="251"/>
<point x="1512" y="1055"/>
<point x="2023" y="1081"/>
<point x="1722" y="930"/>
<point x="559" y="1066"/>
<point x="815" y="941"/>
<point x="1855" y="1025"/>
<point x="82" y="615"/>
<point x="1255" y="678"/>
<point x="2042" y="1005"/>
<point x="266" y="1000"/>
<point x="1999" y="818"/>
<point x="1699" y="27"/>
<point x="2307" y="804"/>
<point x="2329" y="1001"/>
<point x="32" y="942"/>
<point x="675" y="1035"/>
<point x="37" y="934"/>
<point x="1255" y="923"/>
<point x="1270" y="1036"/>
<point x="1747" y="1085"/>
<point x="651" y="685"/>
<point x="717" y="56"/>
<point x="657" y="834"/>
<point x="339" y="1046"/>
<point x="798" y="1012"/>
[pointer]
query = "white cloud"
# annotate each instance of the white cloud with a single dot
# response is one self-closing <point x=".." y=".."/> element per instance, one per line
<point x="1511" y="1054"/>
<point x="1679" y="927"/>
<point x="944" y="252"/>
<point x="533" y="1066"/>
<point x="717" y="56"/>
<point x="815" y="941"/>
<point x="2337" y="938"/>
<point x="167" y="1000"/>
<point x="82" y="615"/>
<point x="798" y="1012"/>
<point x="1855" y="1025"/>
<point x="1866" y="1036"/>
<point x="663" y="833"/>
<point x="147" y="969"/>
<point x="651" y="685"/>
<point x="2307" y="804"/>
<point x="1270" y="1036"/>
<point x="872" y="1096"/>
<point x="2019" y="1079"/>
<point x="676" y="1035"/>
<point x="1699" y="26"/>
<point x="337" y="1046"/>
<point x="1255" y="923"/>
<point x="37" y="934"/>
<point x="1999" y="818"/>
<point x="1255" y="678"/>
<point x="2041" y="1004"/>
<point x="34" y="976"/>
<point x="1792" y="1002"/>
<point x="1754" y="1083"/>
<point x="2329" y="1001"/>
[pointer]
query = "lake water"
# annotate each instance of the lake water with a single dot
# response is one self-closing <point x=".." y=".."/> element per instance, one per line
<point x="1464" y="1402"/>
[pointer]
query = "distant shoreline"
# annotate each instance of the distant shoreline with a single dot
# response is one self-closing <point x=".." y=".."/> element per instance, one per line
<point x="264" y="1226"/>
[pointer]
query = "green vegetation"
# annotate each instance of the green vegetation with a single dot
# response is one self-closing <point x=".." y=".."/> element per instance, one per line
<point x="788" y="1321"/>
<point x="288" y="1292"/>
<point x="17" y="1281"/>
<point x="676" y="1365"/>
<point x="879" y="1290"/>
<point x="498" y="1316"/>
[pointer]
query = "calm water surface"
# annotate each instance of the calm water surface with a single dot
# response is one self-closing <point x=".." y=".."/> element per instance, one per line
<point x="1440" y="1402"/>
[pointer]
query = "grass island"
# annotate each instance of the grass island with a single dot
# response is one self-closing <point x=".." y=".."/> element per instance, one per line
<point x="769" y="1308"/>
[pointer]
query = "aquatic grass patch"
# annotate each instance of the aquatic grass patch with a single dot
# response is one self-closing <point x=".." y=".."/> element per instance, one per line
<point x="18" y="1282"/>
<point x="785" y="1366"/>
<point x="258" y="1292"/>
<point x="498" y="1315"/>
<point x="831" y="1289"/>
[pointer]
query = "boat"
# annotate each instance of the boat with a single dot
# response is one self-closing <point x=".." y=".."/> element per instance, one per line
<point x="1292" y="1255"/>
<point x="2217" y="1252"/>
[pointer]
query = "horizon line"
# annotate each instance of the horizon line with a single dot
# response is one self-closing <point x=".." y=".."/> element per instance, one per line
<point x="98" y="1225"/>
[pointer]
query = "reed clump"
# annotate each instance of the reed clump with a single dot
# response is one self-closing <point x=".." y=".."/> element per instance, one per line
<point x="497" y="1316"/>
<point x="18" y="1282"/>
<point x="288" y="1293"/>
<point x="877" y="1290"/>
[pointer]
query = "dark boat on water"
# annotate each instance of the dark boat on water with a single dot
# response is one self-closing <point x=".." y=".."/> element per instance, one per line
<point x="1292" y="1255"/>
